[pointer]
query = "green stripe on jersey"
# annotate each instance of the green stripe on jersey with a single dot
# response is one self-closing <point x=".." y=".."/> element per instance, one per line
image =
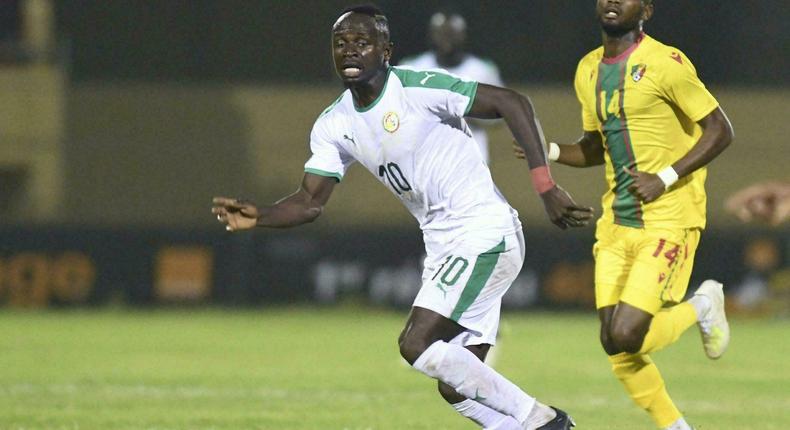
<point x="435" y="80"/>
<point x="330" y="107"/>
<point x="609" y="99"/>
<point x="375" y="102"/>
<point x="324" y="173"/>
<point x="484" y="267"/>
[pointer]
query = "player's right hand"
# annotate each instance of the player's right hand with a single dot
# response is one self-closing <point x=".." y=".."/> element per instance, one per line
<point x="563" y="211"/>
<point x="235" y="214"/>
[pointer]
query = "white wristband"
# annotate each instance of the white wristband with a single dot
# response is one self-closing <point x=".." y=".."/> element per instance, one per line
<point x="554" y="151"/>
<point x="668" y="176"/>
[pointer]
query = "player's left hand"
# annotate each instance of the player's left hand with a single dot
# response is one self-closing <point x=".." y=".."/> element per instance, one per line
<point x="647" y="187"/>
<point x="235" y="214"/>
<point x="563" y="211"/>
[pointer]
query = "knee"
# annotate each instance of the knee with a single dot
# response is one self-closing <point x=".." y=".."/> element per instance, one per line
<point x="449" y="394"/>
<point x="411" y="347"/>
<point x="607" y="342"/>
<point x="626" y="338"/>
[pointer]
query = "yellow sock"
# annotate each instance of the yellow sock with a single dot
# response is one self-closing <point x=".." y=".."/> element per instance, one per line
<point x="667" y="326"/>
<point x="641" y="379"/>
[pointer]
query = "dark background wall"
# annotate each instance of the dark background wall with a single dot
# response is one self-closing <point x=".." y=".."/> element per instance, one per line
<point x="535" y="41"/>
<point x="174" y="101"/>
<point x="154" y="153"/>
<point x="155" y="106"/>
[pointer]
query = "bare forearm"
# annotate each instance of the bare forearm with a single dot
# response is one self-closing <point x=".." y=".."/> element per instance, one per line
<point x="585" y="152"/>
<point x="495" y="102"/>
<point x="292" y="211"/>
<point x="520" y="118"/>
<point x="716" y="137"/>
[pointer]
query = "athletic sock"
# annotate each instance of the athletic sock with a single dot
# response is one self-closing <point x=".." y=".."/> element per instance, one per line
<point x="680" y="424"/>
<point x="667" y="326"/>
<point x="461" y="369"/>
<point x="641" y="379"/>
<point x="539" y="415"/>
<point x="486" y="417"/>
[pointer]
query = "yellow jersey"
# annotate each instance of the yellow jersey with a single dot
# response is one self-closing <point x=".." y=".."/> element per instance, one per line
<point x="646" y="103"/>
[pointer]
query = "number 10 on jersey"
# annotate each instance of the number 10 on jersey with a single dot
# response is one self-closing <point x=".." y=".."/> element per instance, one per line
<point x="394" y="176"/>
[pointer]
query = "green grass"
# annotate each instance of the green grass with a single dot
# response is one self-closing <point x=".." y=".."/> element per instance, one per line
<point x="339" y="369"/>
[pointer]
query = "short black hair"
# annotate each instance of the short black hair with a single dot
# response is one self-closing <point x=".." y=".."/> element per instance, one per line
<point x="373" y="11"/>
<point x="368" y="9"/>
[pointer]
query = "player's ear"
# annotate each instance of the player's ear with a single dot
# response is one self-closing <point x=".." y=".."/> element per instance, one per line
<point x="647" y="12"/>
<point x="388" y="47"/>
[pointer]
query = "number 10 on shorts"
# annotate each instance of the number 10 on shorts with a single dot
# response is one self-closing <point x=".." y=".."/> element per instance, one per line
<point x="453" y="271"/>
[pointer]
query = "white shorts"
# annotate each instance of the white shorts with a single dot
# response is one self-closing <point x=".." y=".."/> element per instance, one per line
<point x="465" y="283"/>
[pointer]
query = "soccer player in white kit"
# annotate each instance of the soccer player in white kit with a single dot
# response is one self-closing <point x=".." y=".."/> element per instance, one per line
<point x="407" y="128"/>
<point x="447" y="36"/>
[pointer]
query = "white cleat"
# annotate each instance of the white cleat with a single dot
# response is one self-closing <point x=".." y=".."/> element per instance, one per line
<point x="713" y="325"/>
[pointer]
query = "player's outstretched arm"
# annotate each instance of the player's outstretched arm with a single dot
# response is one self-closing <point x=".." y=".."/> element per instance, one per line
<point x="519" y="115"/>
<point x="717" y="135"/>
<point x="585" y="152"/>
<point x="301" y="207"/>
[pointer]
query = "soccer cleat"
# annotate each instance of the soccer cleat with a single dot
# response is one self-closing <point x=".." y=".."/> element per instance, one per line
<point x="562" y="421"/>
<point x="713" y="325"/>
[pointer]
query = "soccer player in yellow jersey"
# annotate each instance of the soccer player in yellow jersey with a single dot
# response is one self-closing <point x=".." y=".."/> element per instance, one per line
<point x="649" y="118"/>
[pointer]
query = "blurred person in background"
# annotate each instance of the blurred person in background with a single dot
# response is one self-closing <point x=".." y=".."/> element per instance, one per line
<point x="762" y="258"/>
<point x="766" y="285"/>
<point x="649" y="118"/>
<point x="767" y="202"/>
<point x="407" y="128"/>
<point x="447" y="39"/>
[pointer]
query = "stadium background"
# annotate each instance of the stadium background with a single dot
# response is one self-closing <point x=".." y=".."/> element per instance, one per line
<point x="120" y="120"/>
<point x="123" y="118"/>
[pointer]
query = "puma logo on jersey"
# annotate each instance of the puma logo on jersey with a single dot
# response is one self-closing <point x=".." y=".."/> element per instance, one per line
<point x="351" y="139"/>
<point x="675" y="56"/>
<point x="427" y="76"/>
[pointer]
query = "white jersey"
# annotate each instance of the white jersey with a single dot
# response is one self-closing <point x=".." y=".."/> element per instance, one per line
<point x="470" y="68"/>
<point x="414" y="139"/>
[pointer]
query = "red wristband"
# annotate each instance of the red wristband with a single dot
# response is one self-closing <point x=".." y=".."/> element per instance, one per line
<point x="541" y="179"/>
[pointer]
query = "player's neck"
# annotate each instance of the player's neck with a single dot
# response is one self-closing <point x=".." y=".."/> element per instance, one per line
<point x="616" y="44"/>
<point x="365" y="93"/>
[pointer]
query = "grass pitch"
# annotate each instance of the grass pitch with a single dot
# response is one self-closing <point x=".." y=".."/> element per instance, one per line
<point x="338" y="368"/>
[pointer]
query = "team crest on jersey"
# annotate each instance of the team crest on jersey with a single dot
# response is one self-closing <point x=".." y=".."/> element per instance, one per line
<point x="638" y="71"/>
<point x="391" y="122"/>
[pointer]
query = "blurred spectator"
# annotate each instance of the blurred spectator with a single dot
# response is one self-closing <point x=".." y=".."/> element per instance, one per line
<point x="761" y="259"/>
<point x="766" y="287"/>
<point x="767" y="202"/>
<point x="447" y="39"/>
